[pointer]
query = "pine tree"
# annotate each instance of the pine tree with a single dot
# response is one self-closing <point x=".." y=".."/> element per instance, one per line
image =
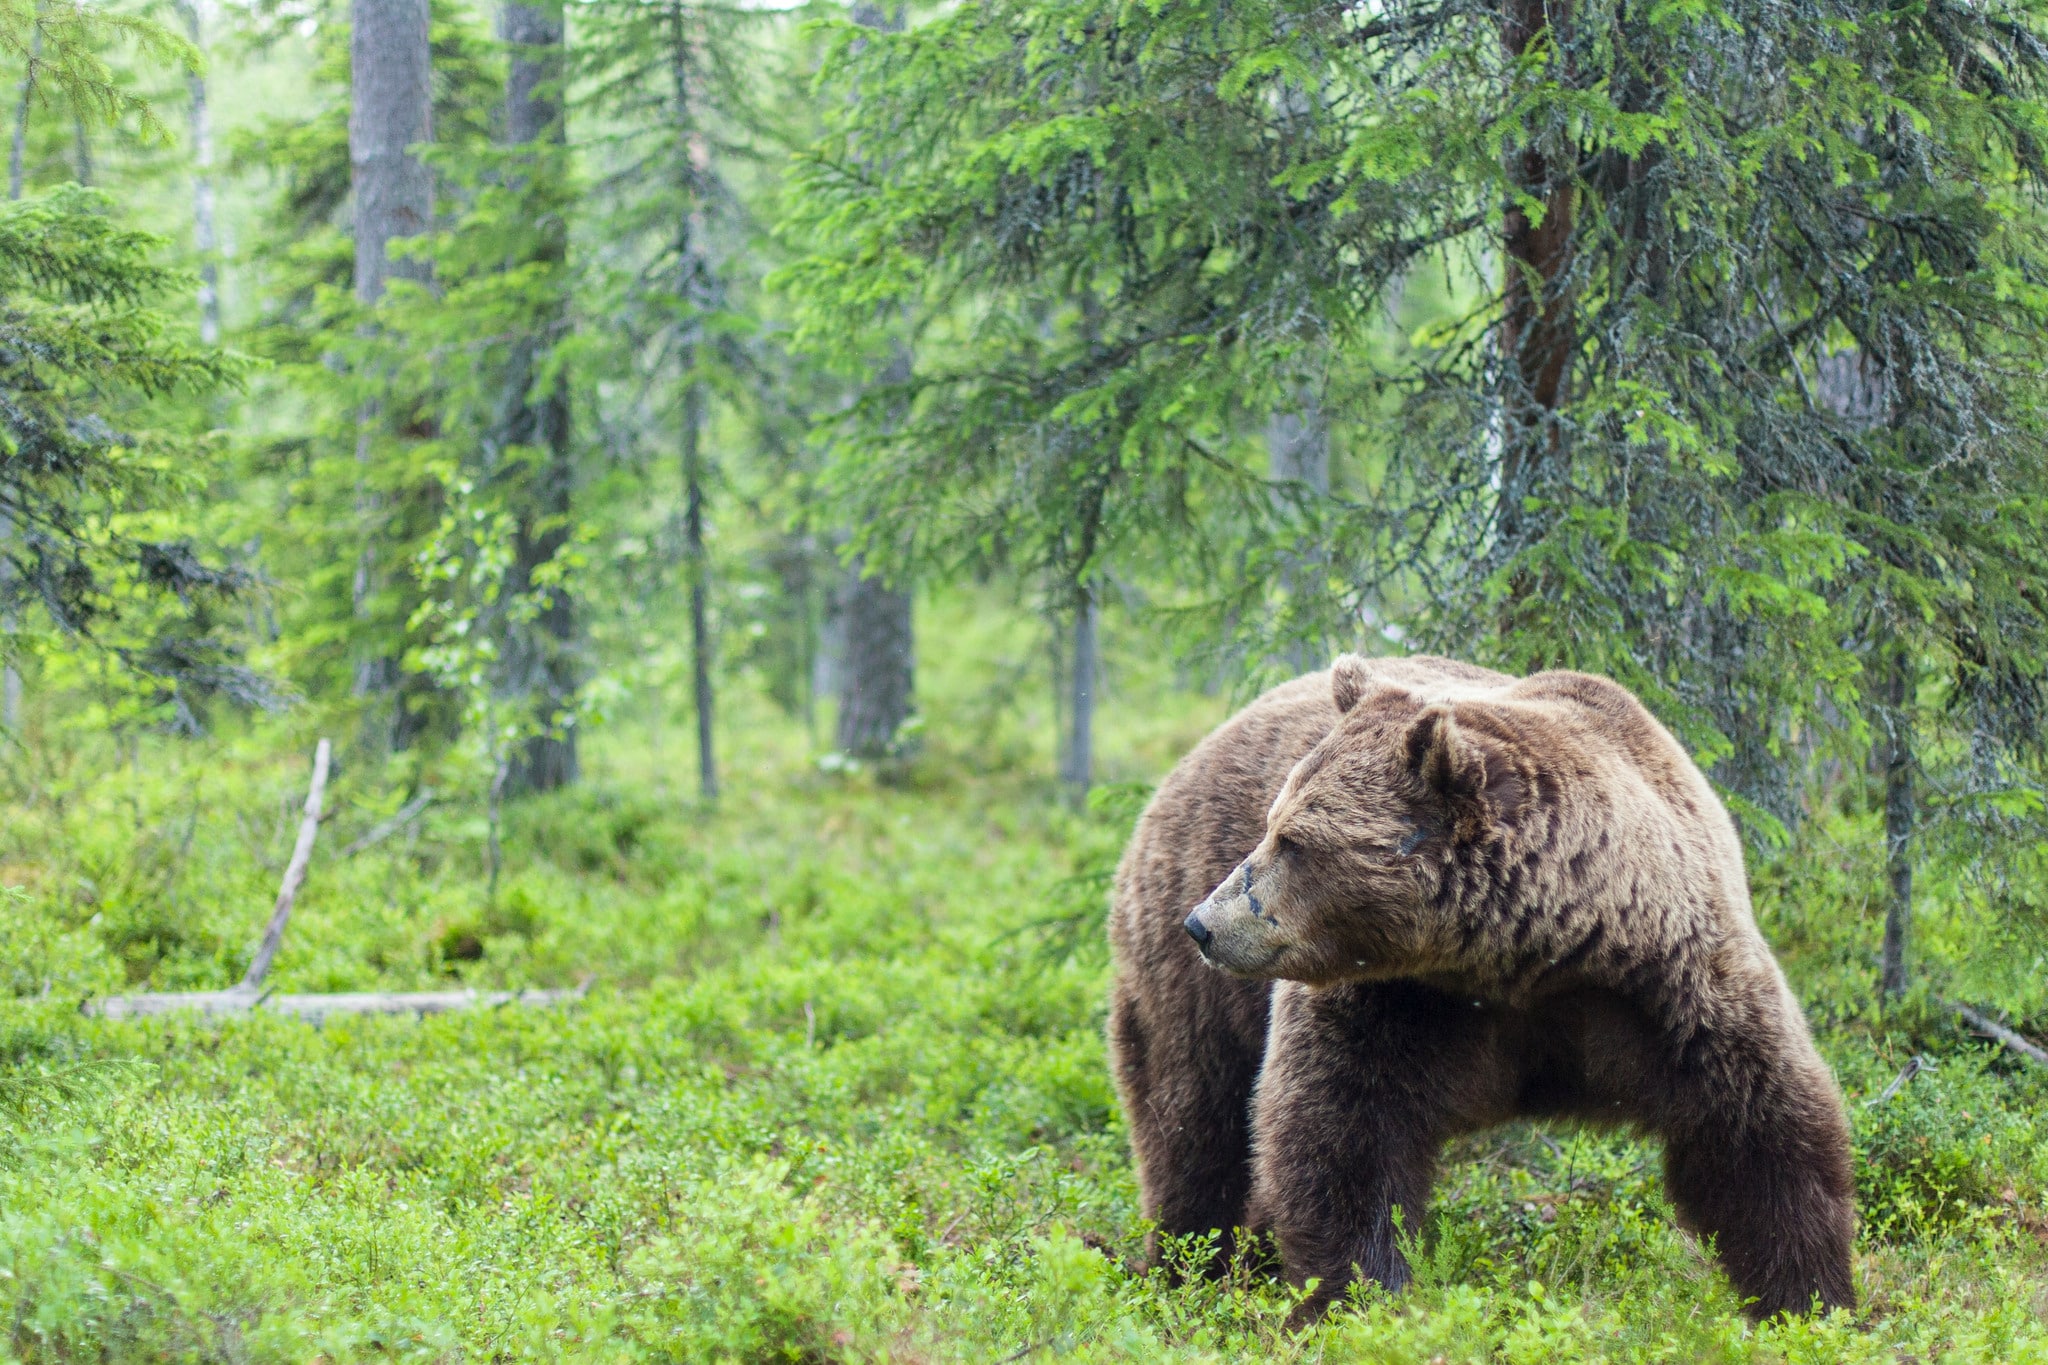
<point x="876" y="627"/>
<point x="94" y="565"/>
<point x="342" y="424"/>
<point x="688" y="94"/>
<point x="1655" y="229"/>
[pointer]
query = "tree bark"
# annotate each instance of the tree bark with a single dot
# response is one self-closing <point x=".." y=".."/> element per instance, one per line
<point x="1298" y="445"/>
<point x="1849" y="384"/>
<point x="877" y="666"/>
<point x="1898" y="824"/>
<point x="1298" y="452"/>
<point x="391" y="109"/>
<point x="81" y="143"/>
<point x="17" y="155"/>
<point x="1536" y="328"/>
<point x="17" y="147"/>
<point x="294" y="873"/>
<point x="1077" y="763"/>
<point x="204" y="239"/>
<point x="540" y="656"/>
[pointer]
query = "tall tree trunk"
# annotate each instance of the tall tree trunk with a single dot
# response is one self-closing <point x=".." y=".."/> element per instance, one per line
<point x="391" y="109"/>
<point x="877" y="664"/>
<point x="877" y="661"/>
<point x="1898" y="823"/>
<point x="540" y="655"/>
<point x="700" y="593"/>
<point x="1077" y="763"/>
<point x="203" y="234"/>
<point x="1850" y="384"/>
<point x="17" y="154"/>
<point x="1536" y="329"/>
<point x="1298" y="445"/>
<point x="691" y="279"/>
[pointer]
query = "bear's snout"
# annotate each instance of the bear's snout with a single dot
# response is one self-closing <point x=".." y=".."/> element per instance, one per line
<point x="1233" y="927"/>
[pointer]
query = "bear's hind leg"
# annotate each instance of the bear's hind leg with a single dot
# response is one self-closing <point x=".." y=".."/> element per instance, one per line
<point x="1758" y="1159"/>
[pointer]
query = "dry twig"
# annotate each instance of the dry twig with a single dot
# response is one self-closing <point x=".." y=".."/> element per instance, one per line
<point x="384" y="829"/>
<point x="294" y="873"/>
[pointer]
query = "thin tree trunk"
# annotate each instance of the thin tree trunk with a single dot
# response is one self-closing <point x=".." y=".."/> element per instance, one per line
<point x="690" y="279"/>
<point x="294" y="873"/>
<point x="203" y="235"/>
<point x="700" y="585"/>
<point x="809" y="644"/>
<point x="81" y="141"/>
<point x="494" y="824"/>
<point x="1898" y="824"/>
<point x="1298" y="445"/>
<point x="1852" y="386"/>
<point x="17" y="148"/>
<point x="391" y="109"/>
<point x="877" y="669"/>
<point x="1077" y="766"/>
<point x="540" y="662"/>
<point x="17" y="155"/>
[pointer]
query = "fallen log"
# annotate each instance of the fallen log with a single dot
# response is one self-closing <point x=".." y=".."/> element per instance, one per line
<point x="250" y="996"/>
<point x="1991" y="1028"/>
<point x="241" y="1000"/>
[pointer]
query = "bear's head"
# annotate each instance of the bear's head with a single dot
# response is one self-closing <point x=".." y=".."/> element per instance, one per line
<point x="1369" y="841"/>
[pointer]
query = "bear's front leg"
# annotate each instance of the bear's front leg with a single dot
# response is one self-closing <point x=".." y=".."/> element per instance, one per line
<point x="1362" y="1085"/>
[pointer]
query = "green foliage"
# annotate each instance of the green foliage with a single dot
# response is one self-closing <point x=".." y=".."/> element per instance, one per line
<point x="1761" y="405"/>
<point x="93" y="550"/>
<point x="60" y="48"/>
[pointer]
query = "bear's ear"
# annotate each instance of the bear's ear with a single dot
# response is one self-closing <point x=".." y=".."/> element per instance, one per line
<point x="1349" y="679"/>
<point x="1461" y="765"/>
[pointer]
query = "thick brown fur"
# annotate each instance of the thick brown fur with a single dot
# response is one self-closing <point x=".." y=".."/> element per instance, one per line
<point x="1433" y="898"/>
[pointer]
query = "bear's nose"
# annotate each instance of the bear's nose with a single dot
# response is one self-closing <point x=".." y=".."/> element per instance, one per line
<point x="1197" y="930"/>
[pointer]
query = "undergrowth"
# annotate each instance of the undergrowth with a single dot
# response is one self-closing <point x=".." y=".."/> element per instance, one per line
<point x="838" y="1093"/>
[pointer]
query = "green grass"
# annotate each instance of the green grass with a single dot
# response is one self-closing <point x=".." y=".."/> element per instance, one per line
<point x="839" y="1093"/>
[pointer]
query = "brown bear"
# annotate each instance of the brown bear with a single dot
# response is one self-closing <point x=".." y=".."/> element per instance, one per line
<point x="1406" y="899"/>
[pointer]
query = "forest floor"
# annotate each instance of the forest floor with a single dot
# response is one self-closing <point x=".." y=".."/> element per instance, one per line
<point x="839" y="1092"/>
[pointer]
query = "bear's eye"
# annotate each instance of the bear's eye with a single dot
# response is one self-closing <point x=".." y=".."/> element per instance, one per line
<point x="1286" y="847"/>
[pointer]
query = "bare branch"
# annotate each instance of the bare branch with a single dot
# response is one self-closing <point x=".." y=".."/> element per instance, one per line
<point x="294" y="873"/>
